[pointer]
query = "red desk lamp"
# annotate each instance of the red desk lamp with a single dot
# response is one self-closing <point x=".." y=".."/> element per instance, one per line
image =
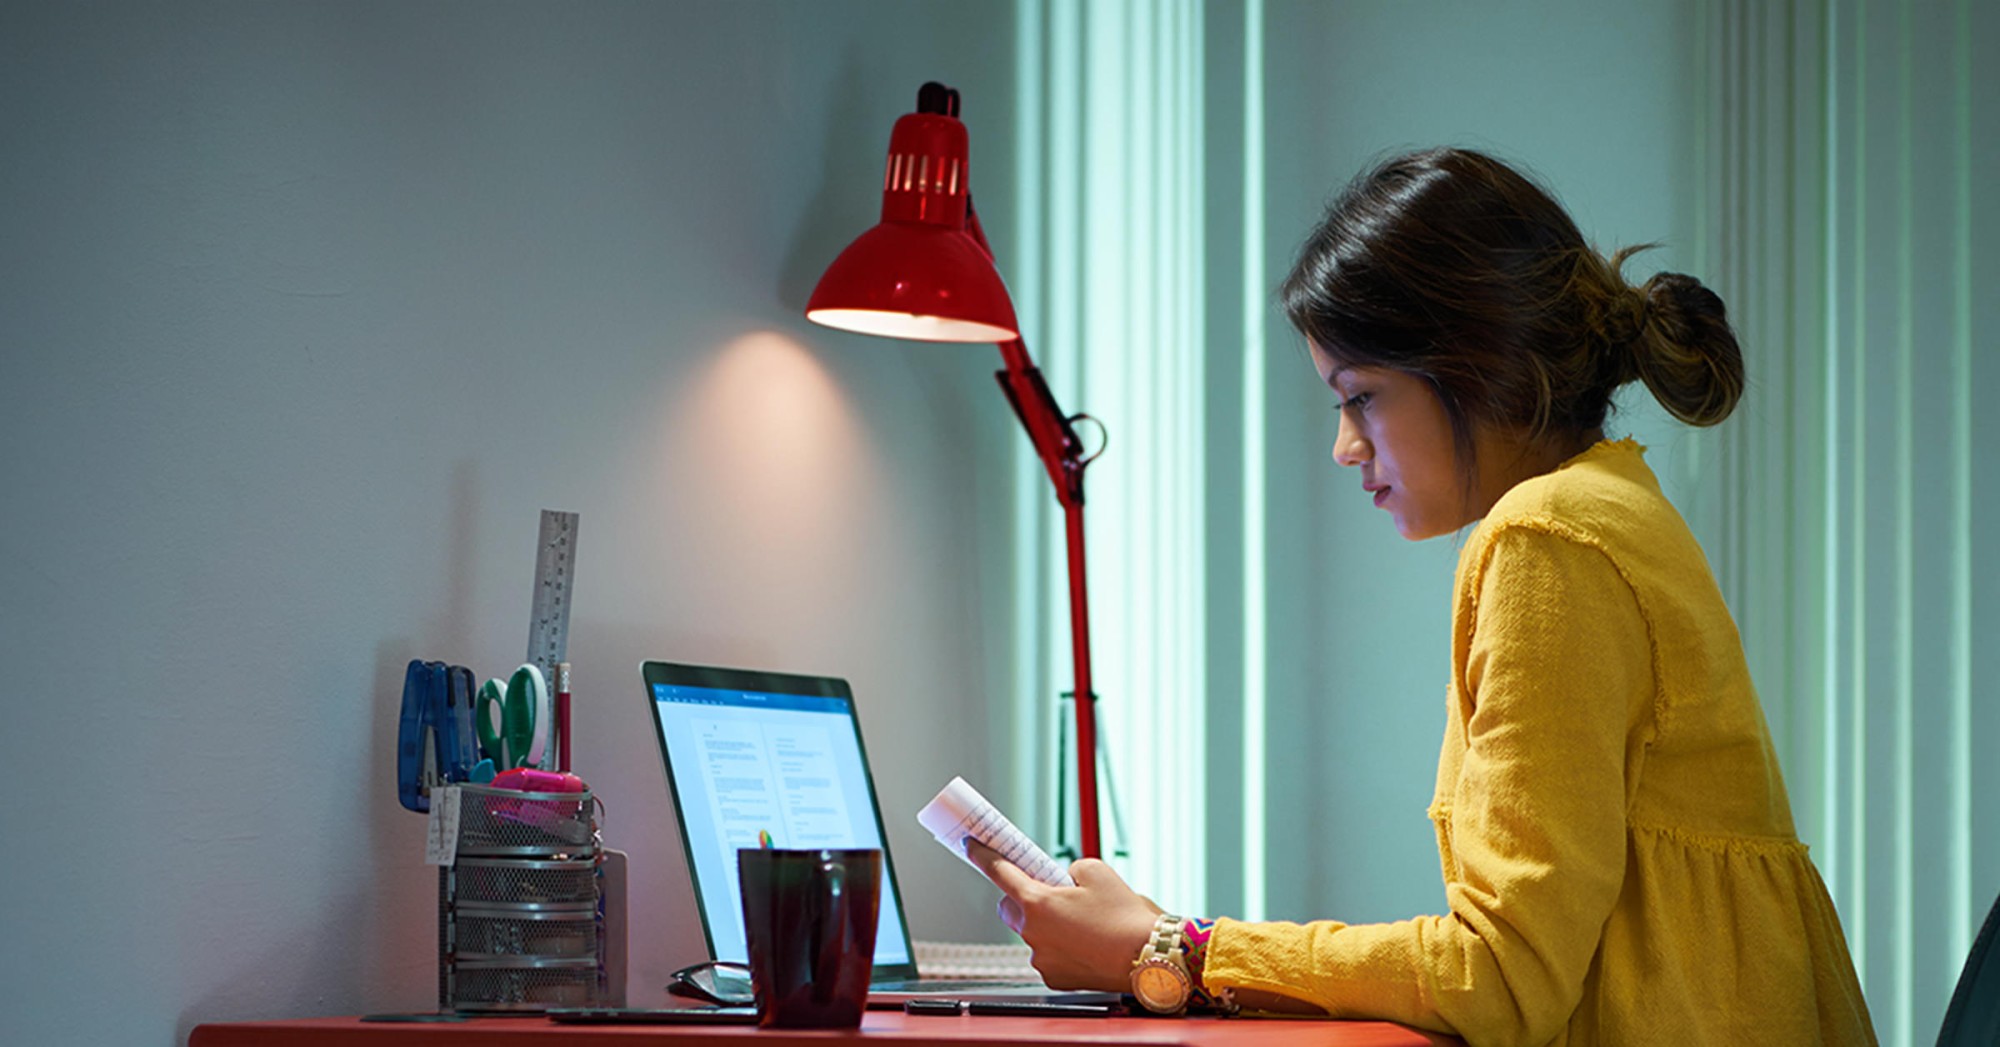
<point x="926" y="273"/>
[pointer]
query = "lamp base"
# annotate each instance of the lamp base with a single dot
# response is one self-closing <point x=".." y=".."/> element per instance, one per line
<point x="1066" y="845"/>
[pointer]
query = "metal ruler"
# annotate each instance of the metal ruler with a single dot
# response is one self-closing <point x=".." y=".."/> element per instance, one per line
<point x="555" y="573"/>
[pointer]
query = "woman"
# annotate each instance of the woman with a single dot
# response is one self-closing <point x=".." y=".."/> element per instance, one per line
<point x="1618" y="851"/>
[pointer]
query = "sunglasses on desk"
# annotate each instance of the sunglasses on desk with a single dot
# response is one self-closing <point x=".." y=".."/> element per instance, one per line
<point x="717" y="981"/>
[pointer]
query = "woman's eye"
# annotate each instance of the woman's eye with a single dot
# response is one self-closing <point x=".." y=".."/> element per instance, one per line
<point x="1358" y="401"/>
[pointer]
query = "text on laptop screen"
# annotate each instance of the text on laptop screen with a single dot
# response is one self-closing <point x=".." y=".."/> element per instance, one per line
<point x="746" y="764"/>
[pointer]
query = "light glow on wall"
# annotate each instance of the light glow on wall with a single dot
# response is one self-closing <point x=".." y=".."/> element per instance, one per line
<point x="766" y="434"/>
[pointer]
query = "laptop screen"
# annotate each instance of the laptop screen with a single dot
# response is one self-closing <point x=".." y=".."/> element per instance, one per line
<point x="766" y="759"/>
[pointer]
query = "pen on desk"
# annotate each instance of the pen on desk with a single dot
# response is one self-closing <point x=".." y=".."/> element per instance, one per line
<point x="562" y="716"/>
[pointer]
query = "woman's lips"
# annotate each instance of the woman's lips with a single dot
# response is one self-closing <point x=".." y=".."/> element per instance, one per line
<point x="1381" y="496"/>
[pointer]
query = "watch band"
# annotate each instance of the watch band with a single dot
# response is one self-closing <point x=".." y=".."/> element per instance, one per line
<point x="1165" y="943"/>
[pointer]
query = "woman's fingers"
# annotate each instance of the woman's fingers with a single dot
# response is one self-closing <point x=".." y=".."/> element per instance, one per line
<point x="1005" y="874"/>
<point x="1014" y="884"/>
<point x="1011" y="914"/>
<point x="1094" y="875"/>
<point x="1082" y="937"/>
<point x="1088" y="872"/>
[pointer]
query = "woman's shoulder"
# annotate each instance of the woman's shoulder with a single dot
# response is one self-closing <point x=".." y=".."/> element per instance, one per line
<point x="1604" y="500"/>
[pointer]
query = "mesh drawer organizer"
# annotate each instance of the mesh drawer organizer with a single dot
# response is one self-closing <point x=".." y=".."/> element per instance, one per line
<point x="520" y="910"/>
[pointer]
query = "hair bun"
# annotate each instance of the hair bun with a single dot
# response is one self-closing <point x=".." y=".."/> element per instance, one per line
<point x="1687" y="353"/>
<point x="1624" y="331"/>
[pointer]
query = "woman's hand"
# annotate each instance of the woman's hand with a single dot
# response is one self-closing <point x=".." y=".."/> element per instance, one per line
<point x="1083" y="937"/>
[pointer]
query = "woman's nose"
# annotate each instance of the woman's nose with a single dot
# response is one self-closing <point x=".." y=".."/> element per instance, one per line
<point x="1349" y="446"/>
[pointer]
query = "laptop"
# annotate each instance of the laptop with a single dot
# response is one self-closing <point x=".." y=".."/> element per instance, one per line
<point x="750" y="753"/>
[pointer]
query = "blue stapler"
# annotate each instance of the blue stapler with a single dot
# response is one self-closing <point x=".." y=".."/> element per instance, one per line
<point x="434" y="741"/>
<point x="457" y="746"/>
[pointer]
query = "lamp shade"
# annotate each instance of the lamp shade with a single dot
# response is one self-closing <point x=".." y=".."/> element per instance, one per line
<point x="919" y="273"/>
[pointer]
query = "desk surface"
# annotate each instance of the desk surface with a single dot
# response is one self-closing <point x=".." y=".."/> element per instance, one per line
<point x="876" y="1025"/>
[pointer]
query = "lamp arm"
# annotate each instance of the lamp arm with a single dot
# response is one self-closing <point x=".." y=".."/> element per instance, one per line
<point x="1049" y="429"/>
<point x="1055" y="440"/>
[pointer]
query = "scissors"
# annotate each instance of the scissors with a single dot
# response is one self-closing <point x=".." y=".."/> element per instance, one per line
<point x="522" y="737"/>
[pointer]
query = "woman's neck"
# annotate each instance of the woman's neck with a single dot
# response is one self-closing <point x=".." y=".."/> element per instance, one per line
<point x="1508" y="459"/>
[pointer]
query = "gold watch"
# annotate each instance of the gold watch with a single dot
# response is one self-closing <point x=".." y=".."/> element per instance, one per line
<point x="1160" y="977"/>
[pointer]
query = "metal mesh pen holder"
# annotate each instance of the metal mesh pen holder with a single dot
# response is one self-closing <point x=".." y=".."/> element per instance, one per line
<point x="519" y="957"/>
<point x="482" y="934"/>
<point x="523" y="884"/>
<point x="523" y="984"/>
<point x="506" y="823"/>
<point x="519" y="909"/>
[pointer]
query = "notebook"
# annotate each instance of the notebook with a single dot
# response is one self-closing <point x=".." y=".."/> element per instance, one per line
<point x="749" y="754"/>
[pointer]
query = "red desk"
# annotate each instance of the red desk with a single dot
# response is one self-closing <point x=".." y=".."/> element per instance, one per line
<point x="876" y="1025"/>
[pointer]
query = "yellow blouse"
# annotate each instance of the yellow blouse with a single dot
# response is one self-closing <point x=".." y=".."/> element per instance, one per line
<point x="1618" y="850"/>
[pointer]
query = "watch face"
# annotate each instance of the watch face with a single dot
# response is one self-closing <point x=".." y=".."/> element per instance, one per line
<point x="1160" y="986"/>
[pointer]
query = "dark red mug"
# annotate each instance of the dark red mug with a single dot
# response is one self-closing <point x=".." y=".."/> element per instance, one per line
<point x="810" y="918"/>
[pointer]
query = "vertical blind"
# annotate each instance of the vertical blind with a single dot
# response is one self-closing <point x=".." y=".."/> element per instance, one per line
<point x="1848" y="202"/>
<point x="1850" y="157"/>
<point x="1111" y="230"/>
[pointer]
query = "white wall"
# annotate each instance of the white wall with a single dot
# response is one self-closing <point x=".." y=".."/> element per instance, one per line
<point x="306" y="311"/>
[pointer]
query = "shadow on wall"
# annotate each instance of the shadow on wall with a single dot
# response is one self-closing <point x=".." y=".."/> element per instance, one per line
<point x="386" y="915"/>
<point x="848" y="200"/>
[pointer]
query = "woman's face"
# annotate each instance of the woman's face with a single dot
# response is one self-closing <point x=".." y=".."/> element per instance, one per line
<point x="1394" y="428"/>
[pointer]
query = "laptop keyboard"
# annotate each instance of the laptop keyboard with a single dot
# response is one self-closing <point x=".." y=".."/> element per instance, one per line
<point x="967" y="961"/>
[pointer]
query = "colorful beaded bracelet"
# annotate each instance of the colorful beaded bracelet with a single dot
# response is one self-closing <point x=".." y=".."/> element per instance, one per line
<point x="1195" y="934"/>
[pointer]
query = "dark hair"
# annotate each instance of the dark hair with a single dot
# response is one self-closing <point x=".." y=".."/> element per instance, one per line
<point x="1449" y="265"/>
